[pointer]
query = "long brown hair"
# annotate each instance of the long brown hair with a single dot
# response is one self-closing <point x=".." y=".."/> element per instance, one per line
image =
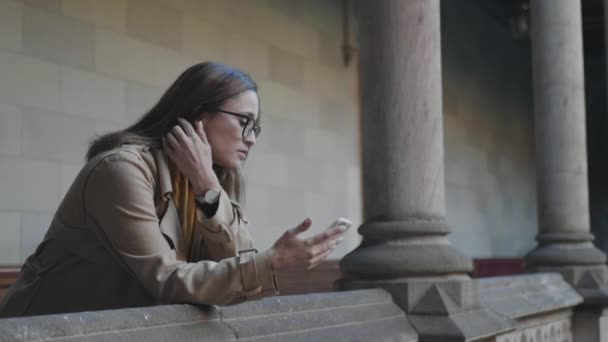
<point x="199" y="90"/>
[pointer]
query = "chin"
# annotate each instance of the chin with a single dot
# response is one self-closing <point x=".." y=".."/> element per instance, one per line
<point x="231" y="164"/>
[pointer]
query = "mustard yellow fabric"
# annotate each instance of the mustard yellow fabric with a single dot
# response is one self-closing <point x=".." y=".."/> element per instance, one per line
<point x="183" y="197"/>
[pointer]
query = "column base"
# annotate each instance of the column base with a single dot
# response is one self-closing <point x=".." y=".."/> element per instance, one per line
<point x="591" y="282"/>
<point x="565" y="253"/>
<point x="440" y="309"/>
<point x="397" y="249"/>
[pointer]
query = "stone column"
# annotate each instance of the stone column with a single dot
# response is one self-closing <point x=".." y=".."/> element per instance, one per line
<point x="405" y="247"/>
<point x="403" y="177"/>
<point x="565" y="244"/>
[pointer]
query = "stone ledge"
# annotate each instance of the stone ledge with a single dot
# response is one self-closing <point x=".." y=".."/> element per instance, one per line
<point x="526" y="295"/>
<point x="338" y="316"/>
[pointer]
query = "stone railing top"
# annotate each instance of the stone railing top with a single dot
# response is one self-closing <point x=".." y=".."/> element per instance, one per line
<point x="365" y="315"/>
<point x="526" y="295"/>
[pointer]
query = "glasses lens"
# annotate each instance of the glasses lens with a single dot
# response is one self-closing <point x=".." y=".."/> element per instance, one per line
<point x="249" y="127"/>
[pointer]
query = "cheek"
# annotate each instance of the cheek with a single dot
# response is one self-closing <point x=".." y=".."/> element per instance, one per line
<point x="223" y="137"/>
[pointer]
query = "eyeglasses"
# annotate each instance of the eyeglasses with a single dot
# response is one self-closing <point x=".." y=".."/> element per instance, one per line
<point x="248" y="126"/>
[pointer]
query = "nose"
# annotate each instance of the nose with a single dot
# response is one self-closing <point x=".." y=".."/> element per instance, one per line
<point x="250" y="140"/>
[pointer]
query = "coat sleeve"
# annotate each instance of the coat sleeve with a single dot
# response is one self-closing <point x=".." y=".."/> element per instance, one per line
<point x="223" y="233"/>
<point x="119" y="200"/>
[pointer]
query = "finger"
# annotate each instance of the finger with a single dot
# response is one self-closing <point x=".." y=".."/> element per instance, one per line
<point x="323" y="247"/>
<point x="326" y="235"/>
<point x="168" y="150"/>
<point x="201" y="131"/>
<point x="328" y="245"/>
<point x="187" y="127"/>
<point x="179" y="134"/>
<point x="166" y="146"/>
<point x="172" y="141"/>
<point x="319" y="258"/>
<point x="301" y="228"/>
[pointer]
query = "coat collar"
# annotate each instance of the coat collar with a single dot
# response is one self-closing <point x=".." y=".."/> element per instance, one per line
<point x="164" y="175"/>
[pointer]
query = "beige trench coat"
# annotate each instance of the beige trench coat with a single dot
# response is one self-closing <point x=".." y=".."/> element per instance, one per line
<point x="116" y="242"/>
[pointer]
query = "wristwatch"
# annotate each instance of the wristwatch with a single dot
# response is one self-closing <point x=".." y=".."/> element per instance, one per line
<point x="210" y="197"/>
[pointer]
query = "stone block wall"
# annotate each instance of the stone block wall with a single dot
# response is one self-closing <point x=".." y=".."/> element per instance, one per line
<point x="71" y="69"/>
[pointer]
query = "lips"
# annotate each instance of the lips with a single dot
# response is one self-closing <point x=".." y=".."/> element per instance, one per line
<point x="244" y="152"/>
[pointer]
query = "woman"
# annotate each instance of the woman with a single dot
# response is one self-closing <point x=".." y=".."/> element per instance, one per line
<point x="153" y="217"/>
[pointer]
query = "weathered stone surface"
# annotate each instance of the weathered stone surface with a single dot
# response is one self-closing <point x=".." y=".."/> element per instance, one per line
<point x="405" y="233"/>
<point x="565" y="244"/>
<point x="468" y="325"/>
<point x="561" y="144"/>
<point x="347" y="316"/>
<point x="527" y="295"/>
<point x="553" y="327"/>
<point x="590" y="325"/>
<point x="112" y="323"/>
<point x="443" y="309"/>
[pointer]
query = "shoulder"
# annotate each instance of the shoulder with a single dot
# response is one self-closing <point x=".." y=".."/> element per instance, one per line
<point x="127" y="161"/>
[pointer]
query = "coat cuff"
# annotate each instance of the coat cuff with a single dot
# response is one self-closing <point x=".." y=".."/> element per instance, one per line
<point x="224" y="216"/>
<point x="259" y="280"/>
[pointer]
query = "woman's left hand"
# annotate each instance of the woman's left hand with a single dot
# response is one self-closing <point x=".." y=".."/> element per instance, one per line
<point x="189" y="149"/>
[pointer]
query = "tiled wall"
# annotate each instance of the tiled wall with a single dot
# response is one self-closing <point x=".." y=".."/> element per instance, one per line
<point x="70" y="69"/>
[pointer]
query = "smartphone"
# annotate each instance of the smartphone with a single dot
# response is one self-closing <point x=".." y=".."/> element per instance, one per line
<point x="341" y="221"/>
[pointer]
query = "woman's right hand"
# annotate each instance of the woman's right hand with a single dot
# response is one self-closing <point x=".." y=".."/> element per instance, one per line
<point x="292" y="253"/>
<point x="189" y="149"/>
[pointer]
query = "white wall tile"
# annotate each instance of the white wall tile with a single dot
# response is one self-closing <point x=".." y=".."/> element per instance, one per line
<point x="10" y="25"/>
<point x="33" y="227"/>
<point x="92" y="95"/>
<point x="286" y="68"/>
<point x="10" y="228"/>
<point x="154" y="22"/>
<point x="281" y="135"/>
<point x="29" y="81"/>
<point x="140" y="98"/>
<point x="29" y="184"/>
<point x="321" y="15"/>
<point x="248" y="54"/>
<point x="264" y="24"/>
<point x="109" y="14"/>
<point x="57" y="38"/>
<point x="10" y="130"/>
<point x="266" y="168"/>
<point x="130" y="59"/>
<point x="48" y="5"/>
<point x="323" y="81"/>
<point x="104" y="127"/>
<point x="204" y="40"/>
<point x="282" y="102"/>
<point x="321" y="145"/>
<point x="68" y="173"/>
<point x="54" y="136"/>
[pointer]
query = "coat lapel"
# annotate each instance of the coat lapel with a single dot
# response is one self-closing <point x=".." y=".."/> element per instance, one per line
<point x="169" y="220"/>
